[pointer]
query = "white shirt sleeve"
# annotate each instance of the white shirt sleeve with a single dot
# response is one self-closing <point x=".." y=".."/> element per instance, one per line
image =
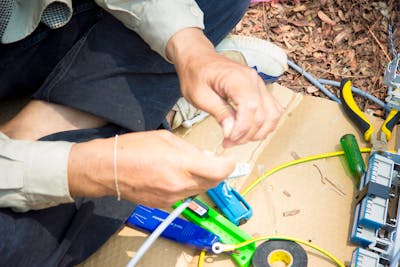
<point x="155" y="20"/>
<point x="33" y="174"/>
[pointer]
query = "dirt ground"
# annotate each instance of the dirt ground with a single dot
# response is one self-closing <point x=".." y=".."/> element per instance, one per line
<point x="330" y="40"/>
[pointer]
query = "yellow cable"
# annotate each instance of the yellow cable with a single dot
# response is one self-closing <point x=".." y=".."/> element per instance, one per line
<point x="201" y="258"/>
<point x="306" y="243"/>
<point x="294" y="162"/>
<point x="264" y="176"/>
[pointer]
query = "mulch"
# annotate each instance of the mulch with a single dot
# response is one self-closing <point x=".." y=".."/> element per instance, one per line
<point x="330" y="40"/>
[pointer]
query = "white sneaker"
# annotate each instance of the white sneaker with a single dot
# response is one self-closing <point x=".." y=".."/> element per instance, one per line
<point x="269" y="60"/>
<point x="186" y="115"/>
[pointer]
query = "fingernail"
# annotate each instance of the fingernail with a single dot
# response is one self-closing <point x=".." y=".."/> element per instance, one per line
<point x="227" y="126"/>
<point x="227" y="144"/>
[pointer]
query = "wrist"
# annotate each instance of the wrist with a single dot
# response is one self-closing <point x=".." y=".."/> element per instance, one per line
<point x="187" y="44"/>
<point x="90" y="169"/>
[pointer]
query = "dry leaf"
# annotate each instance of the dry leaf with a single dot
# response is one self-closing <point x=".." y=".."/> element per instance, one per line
<point x="311" y="89"/>
<point x="345" y="34"/>
<point x="321" y="46"/>
<point x="325" y="18"/>
<point x="299" y="23"/>
<point x="341" y="15"/>
<point x="299" y="8"/>
<point x="379" y="113"/>
<point x="360" y="41"/>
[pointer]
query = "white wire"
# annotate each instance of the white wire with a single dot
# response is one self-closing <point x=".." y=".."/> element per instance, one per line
<point x="314" y="81"/>
<point x="156" y="233"/>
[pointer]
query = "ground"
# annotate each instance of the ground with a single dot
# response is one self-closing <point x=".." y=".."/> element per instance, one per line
<point x="330" y="40"/>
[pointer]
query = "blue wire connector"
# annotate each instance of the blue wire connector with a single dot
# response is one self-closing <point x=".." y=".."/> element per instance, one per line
<point x="230" y="203"/>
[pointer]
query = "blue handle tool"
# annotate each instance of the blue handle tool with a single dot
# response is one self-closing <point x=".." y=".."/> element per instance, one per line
<point x="182" y="231"/>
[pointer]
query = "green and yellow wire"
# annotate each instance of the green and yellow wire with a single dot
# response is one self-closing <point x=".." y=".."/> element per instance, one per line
<point x="295" y="162"/>
<point x="230" y="247"/>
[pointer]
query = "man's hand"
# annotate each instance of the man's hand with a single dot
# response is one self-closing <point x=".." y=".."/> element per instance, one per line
<point x="154" y="168"/>
<point x="234" y="94"/>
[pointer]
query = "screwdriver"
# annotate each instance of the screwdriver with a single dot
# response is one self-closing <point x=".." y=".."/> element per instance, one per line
<point x="353" y="156"/>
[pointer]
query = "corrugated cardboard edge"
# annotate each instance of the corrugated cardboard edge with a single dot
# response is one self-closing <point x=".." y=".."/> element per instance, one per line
<point x="206" y="135"/>
<point x="323" y="214"/>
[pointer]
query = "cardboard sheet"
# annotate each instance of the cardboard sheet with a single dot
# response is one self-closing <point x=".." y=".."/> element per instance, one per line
<point x="312" y="201"/>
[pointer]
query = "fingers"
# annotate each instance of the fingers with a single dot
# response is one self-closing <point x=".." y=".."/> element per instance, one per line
<point x="234" y="94"/>
<point x="256" y="115"/>
<point x="203" y="164"/>
<point x="194" y="175"/>
<point x="218" y="107"/>
<point x="174" y="170"/>
<point x="274" y="111"/>
<point x="212" y="167"/>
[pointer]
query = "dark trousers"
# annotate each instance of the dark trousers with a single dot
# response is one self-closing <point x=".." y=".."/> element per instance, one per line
<point x="96" y="65"/>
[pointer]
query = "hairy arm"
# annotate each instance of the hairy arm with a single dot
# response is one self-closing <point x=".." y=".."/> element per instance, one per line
<point x="154" y="168"/>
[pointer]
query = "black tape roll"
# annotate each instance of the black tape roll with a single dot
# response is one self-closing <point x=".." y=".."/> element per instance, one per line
<point x="272" y="251"/>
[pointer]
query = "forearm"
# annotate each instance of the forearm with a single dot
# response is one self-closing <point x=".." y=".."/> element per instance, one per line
<point x="144" y="165"/>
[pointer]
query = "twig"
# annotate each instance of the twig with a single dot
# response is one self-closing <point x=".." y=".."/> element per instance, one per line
<point x="320" y="173"/>
<point x="335" y="186"/>
<point x="379" y="43"/>
<point x="323" y="179"/>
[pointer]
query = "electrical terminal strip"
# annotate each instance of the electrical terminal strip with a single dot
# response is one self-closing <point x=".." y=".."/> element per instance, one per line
<point x="373" y="211"/>
<point x="380" y="170"/>
<point x="361" y="234"/>
<point x="377" y="213"/>
<point x="374" y="191"/>
<point x="370" y="238"/>
<point x="363" y="258"/>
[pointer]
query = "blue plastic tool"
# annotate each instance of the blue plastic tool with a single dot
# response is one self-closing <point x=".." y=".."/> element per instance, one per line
<point x="182" y="231"/>
<point x="231" y="203"/>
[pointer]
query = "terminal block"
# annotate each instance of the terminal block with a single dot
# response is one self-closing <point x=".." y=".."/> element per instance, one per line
<point x="363" y="258"/>
<point x="376" y="213"/>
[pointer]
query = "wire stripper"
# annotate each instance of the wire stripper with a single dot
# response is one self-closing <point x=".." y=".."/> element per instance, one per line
<point x="363" y="124"/>
<point x="229" y="233"/>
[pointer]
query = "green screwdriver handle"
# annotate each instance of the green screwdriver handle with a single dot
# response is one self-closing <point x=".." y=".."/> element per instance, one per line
<point x="353" y="156"/>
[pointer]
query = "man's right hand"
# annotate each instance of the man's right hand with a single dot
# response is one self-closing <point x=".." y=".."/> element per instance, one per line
<point x="154" y="168"/>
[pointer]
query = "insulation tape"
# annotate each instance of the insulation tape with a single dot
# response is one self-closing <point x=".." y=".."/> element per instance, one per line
<point x="287" y="252"/>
